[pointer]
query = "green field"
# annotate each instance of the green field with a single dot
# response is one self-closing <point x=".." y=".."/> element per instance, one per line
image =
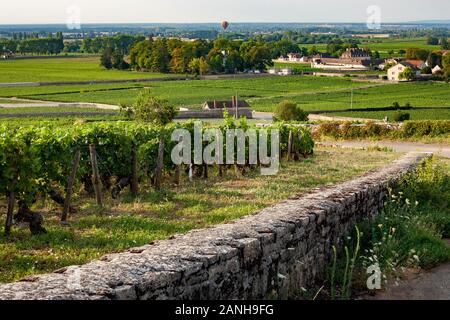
<point x="423" y="94"/>
<point x="305" y="67"/>
<point x="385" y="45"/>
<point x="64" y="69"/>
<point x="432" y="114"/>
<point x="37" y="110"/>
<point x="10" y="101"/>
<point x="35" y="92"/>
<point x="189" y="93"/>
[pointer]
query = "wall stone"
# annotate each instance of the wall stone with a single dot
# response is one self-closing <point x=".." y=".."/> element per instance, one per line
<point x="268" y="255"/>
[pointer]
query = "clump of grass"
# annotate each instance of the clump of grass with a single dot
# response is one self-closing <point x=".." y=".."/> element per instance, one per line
<point x="408" y="233"/>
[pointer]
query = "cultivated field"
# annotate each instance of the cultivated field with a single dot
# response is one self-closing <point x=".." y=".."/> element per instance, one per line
<point x="63" y="69"/>
<point x="186" y="93"/>
<point x="264" y="93"/>
<point x="424" y="94"/>
<point x="384" y="46"/>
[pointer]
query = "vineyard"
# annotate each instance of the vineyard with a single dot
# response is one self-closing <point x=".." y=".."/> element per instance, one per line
<point x="103" y="157"/>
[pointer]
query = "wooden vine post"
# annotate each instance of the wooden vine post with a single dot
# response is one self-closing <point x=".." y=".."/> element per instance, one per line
<point x="96" y="175"/>
<point x="11" y="202"/>
<point x="71" y="182"/>
<point x="290" y="145"/>
<point x="134" y="171"/>
<point x="159" y="165"/>
<point x="178" y="175"/>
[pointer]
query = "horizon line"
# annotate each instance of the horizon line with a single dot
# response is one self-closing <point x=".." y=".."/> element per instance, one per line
<point x="431" y="21"/>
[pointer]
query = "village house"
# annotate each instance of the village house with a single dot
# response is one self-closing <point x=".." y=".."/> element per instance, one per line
<point x="437" y="70"/>
<point x="351" y="59"/>
<point x="419" y="64"/>
<point x="281" y="71"/>
<point x="295" y="58"/>
<point x="388" y="62"/>
<point x="395" y="72"/>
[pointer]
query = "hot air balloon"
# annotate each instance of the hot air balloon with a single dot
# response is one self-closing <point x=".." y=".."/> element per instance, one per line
<point x="225" y="25"/>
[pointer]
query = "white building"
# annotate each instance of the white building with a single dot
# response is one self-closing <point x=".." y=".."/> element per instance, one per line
<point x="437" y="69"/>
<point x="395" y="72"/>
<point x="281" y="71"/>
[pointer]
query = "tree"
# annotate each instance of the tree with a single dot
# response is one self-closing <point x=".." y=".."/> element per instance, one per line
<point x="216" y="60"/>
<point x="408" y="74"/>
<point x="159" y="57"/>
<point x="417" y="54"/>
<point x="106" y="58"/>
<point x="178" y="63"/>
<point x="427" y="70"/>
<point x="445" y="44"/>
<point x="289" y="111"/>
<point x="446" y="60"/>
<point x="255" y="55"/>
<point x="447" y="74"/>
<point x="199" y="66"/>
<point x="148" y="108"/>
<point x="434" y="59"/>
<point x="140" y="54"/>
<point x="118" y="61"/>
<point x="433" y="41"/>
<point x="313" y="51"/>
<point x="446" y="64"/>
<point x="233" y="62"/>
<point x="283" y="48"/>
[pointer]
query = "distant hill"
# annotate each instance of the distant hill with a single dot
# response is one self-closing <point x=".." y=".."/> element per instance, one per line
<point x="431" y="22"/>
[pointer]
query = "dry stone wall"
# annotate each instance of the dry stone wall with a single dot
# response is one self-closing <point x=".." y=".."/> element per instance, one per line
<point x="268" y="255"/>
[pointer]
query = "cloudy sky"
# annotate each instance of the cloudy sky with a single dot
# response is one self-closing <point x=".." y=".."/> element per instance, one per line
<point x="140" y="11"/>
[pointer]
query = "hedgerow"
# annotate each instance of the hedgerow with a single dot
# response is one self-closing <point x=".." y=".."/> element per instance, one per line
<point x="409" y="129"/>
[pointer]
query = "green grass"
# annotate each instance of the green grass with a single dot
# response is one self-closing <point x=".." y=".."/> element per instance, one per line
<point x="10" y="101"/>
<point x="37" y="110"/>
<point x="406" y="235"/>
<point x="193" y="93"/>
<point x="64" y="69"/>
<point x="159" y="215"/>
<point x="423" y="94"/>
<point x="306" y="67"/>
<point x="36" y="92"/>
<point x="385" y="45"/>
<point x="433" y="114"/>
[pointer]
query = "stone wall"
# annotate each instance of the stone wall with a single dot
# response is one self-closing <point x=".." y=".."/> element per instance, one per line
<point x="271" y="254"/>
<point x="214" y="114"/>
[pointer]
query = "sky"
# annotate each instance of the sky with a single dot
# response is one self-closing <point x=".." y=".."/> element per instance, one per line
<point x="194" y="11"/>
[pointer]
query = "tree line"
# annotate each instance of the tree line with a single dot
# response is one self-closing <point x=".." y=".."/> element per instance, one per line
<point x="196" y="57"/>
<point x="55" y="44"/>
<point x="49" y="45"/>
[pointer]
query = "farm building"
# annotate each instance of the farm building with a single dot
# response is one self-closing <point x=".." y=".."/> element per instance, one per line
<point x="295" y="57"/>
<point x="395" y="72"/>
<point x="437" y="69"/>
<point x="419" y="64"/>
<point x="281" y="71"/>
<point x="356" y="59"/>
<point x="228" y="104"/>
<point x="215" y="108"/>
